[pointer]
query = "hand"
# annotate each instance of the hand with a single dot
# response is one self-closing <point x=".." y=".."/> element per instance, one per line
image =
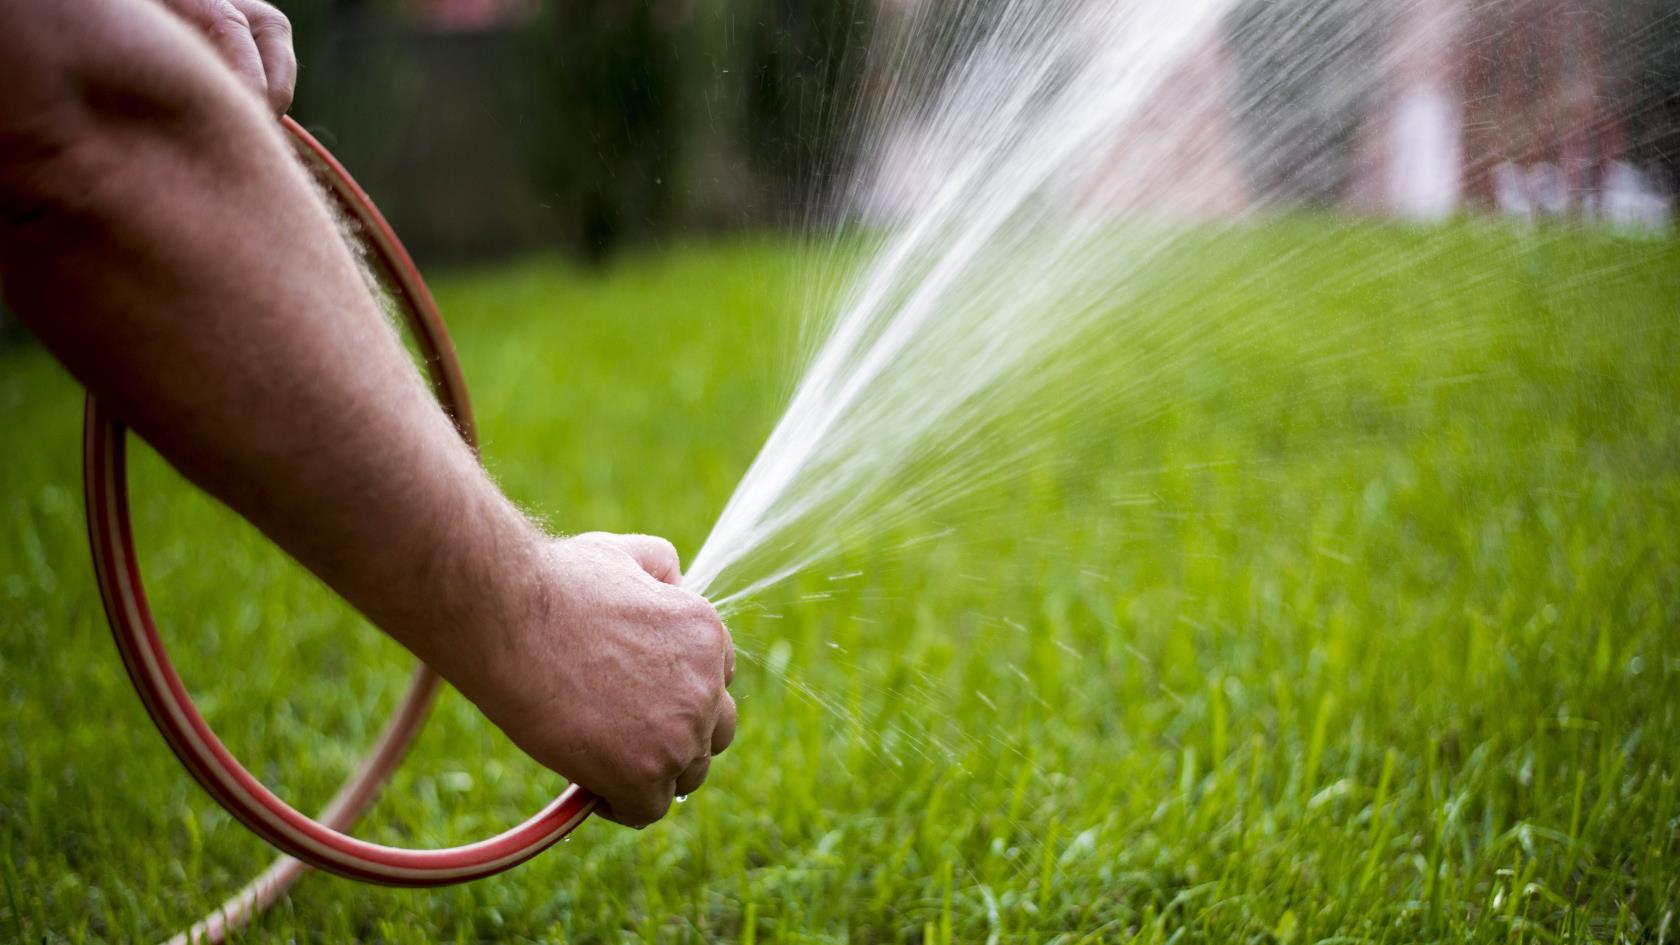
<point x="253" y="38"/>
<point x="616" y="677"/>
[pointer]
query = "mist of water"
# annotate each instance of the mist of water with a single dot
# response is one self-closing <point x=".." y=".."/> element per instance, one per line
<point x="1033" y="168"/>
<point x="999" y="255"/>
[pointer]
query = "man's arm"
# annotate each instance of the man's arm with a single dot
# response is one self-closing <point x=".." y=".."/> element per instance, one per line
<point x="157" y="236"/>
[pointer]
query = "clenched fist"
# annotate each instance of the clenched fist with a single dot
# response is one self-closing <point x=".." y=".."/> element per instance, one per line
<point x="616" y="677"/>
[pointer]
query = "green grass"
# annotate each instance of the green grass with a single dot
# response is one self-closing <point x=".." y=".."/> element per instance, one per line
<point x="1360" y="625"/>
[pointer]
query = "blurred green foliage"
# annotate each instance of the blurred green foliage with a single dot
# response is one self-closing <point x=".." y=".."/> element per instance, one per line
<point x="588" y="125"/>
<point x="609" y="133"/>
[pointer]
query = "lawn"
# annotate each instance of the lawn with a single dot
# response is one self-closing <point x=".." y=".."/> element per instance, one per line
<point x="1359" y="624"/>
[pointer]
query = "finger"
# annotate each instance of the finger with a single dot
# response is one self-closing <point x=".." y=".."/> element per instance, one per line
<point x="640" y="808"/>
<point x="272" y="33"/>
<point x="605" y="811"/>
<point x="657" y="556"/>
<point x="690" y="780"/>
<point x="230" y="33"/>
<point x="728" y="660"/>
<point x="723" y="732"/>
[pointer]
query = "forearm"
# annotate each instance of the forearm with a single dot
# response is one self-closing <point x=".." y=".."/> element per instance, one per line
<point x="162" y="242"/>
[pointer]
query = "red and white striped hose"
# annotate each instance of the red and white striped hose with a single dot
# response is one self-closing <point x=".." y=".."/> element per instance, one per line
<point x="320" y="842"/>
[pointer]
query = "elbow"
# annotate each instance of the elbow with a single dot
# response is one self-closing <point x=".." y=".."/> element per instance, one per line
<point x="85" y="87"/>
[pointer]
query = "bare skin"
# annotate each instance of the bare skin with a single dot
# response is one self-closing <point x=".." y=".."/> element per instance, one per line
<point x="159" y="238"/>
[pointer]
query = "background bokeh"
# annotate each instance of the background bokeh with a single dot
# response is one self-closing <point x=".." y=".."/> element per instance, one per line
<point x="485" y="127"/>
<point x="488" y="127"/>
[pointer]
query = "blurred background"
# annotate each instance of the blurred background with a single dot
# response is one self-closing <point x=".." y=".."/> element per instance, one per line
<point x="490" y="127"/>
<point x="487" y="127"/>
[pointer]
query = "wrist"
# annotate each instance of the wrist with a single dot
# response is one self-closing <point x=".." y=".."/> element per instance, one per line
<point x="480" y="593"/>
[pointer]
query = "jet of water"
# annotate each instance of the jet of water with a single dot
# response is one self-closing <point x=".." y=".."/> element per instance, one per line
<point x="1036" y="162"/>
<point x="973" y="289"/>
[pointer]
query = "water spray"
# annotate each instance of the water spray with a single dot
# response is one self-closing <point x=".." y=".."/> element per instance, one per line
<point x="319" y="841"/>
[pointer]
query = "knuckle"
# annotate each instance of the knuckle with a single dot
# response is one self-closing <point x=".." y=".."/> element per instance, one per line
<point x="225" y="18"/>
<point x="718" y="644"/>
<point x="701" y="612"/>
<point x="656" y="767"/>
<point x="707" y="689"/>
<point x="644" y="772"/>
<point x="661" y="546"/>
<point x="272" y="20"/>
<point x="694" y="777"/>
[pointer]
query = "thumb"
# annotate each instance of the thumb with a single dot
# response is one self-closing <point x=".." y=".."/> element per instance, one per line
<point x="657" y="556"/>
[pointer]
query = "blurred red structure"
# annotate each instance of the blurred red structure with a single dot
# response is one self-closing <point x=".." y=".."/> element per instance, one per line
<point x="1519" y="107"/>
<point x="464" y="15"/>
<point x="1510" y="106"/>
<point x="1538" y="104"/>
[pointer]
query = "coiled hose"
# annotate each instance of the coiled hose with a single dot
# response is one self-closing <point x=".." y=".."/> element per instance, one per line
<point x="319" y="842"/>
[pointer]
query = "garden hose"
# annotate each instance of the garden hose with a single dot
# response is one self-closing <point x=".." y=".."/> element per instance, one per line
<point x="321" y="842"/>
